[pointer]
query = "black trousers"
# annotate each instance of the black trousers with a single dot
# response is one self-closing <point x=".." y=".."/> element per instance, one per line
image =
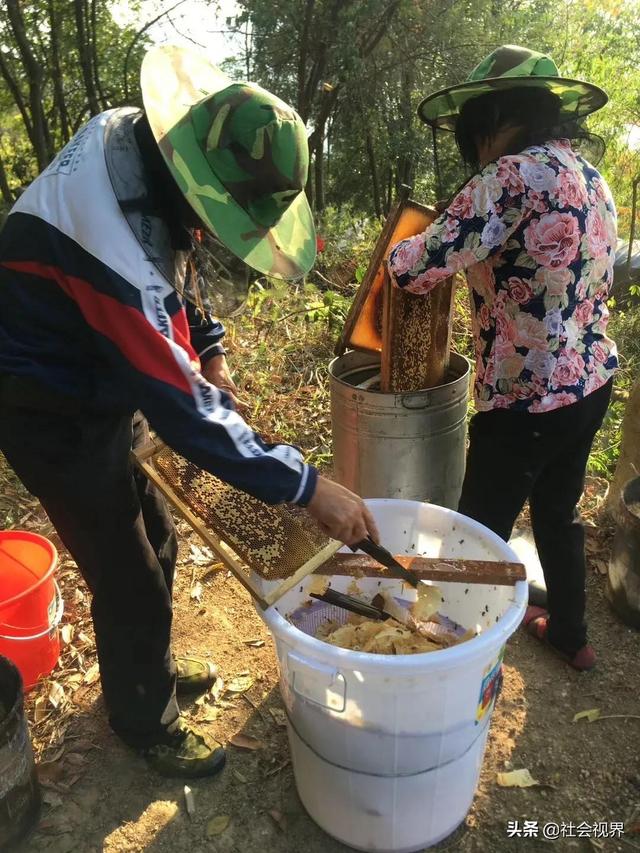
<point x="118" y="529"/>
<point x="515" y="456"/>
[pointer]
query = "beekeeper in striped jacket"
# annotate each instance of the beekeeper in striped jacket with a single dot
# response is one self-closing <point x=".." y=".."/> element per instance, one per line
<point x="94" y="327"/>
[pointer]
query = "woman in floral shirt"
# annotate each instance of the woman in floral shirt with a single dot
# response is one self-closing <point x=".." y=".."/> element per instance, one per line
<point x="535" y="233"/>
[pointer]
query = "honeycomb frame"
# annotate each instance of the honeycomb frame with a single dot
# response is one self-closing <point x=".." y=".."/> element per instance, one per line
<point x="287" y="544"/>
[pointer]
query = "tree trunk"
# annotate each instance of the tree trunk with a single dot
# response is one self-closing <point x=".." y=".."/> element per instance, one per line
<point x="17" y="96"/>
<point x="104" y="101"/>
<point x="309" y="188"/>
<point x="5" y="189"/>
<point x="303" y="104"/>
<point x="56" y="75"/>
<point x="318" y="168"/>
<point x="34" y="73"/>
<point x="629" y="462"/>
<point x="375" y="184"/>
<point x="389" y="198"/>
<point x="84" y="55"/>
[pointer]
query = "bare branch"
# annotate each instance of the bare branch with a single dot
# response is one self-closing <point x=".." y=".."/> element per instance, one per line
<point x="135" y="40"/>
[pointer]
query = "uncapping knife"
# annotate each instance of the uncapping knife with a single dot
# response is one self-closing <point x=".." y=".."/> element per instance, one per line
<point x="387" y="559"/>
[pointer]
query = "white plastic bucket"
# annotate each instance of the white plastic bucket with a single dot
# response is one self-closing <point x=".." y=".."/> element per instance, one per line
<point x="387" y="750"/>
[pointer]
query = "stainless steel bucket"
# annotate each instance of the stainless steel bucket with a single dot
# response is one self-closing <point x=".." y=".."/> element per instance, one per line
<point x="409" y="446"/>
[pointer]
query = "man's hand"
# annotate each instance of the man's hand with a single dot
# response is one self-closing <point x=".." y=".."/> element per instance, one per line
<point x="341" y="514"/>
<point x="216" y="371"/>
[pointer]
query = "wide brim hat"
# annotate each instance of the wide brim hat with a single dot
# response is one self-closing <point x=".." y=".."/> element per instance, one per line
<point x="512" y="67"/>
<point x="239" y="155"/>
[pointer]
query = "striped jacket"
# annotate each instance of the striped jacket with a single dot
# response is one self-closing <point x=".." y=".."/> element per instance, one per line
<point x="87" y="310"/>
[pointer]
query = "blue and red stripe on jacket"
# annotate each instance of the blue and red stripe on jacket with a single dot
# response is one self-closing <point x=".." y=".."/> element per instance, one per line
<point x="70" y="321"/>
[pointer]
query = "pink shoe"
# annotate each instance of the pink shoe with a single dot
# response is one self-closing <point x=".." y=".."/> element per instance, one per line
<point x="536" y="622"/>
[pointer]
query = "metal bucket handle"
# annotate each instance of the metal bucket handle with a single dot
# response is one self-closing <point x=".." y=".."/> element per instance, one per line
<point x="415" y="401"/>
<point x="54" y="622"/>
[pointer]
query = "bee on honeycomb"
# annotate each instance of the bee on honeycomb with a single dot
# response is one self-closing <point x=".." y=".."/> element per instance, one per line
<point x="274" y="541"/>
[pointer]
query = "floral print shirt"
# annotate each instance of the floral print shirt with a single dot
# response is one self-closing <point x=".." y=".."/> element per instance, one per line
<point x="535" y="234"/>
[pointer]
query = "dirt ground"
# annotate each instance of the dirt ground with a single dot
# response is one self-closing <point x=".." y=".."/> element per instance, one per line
<point x="101" y="796"/>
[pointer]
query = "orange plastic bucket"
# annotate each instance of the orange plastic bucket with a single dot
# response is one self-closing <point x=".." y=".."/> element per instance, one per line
<point x="30" y="604"/>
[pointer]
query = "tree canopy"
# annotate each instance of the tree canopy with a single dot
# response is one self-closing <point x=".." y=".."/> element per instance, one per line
<point x="354" y="69"/>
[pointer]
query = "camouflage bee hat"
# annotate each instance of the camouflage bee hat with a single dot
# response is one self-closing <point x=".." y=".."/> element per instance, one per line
<point x="510" y="67"/>
<point x="239" y="155"/>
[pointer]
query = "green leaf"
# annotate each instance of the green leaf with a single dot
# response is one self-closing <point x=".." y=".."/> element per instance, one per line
<point x="217" y="825"/>
<point x="591" y="716"/>
<point x="472" y="241"/>
<point x="526" y="261"/>
<point x="359" y="273"/>
<point x="510" y="216"/>
<point x="516" y="779"/>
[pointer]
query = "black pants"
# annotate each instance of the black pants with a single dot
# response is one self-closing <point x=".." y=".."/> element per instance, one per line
<point x="118" y="529"/>
<point x="515" y="456"/>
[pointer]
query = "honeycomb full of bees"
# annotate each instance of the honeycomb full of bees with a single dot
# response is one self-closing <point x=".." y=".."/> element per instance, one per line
<point x="273" y="541"/>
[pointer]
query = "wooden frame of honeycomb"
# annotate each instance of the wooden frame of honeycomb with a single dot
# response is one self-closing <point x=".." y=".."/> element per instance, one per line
<point x="269" y="548"/>
<point x="412" y="333"/>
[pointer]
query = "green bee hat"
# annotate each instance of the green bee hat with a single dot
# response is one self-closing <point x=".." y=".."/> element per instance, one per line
<point x="510" y="67"/>
<point x="239" y="155"/>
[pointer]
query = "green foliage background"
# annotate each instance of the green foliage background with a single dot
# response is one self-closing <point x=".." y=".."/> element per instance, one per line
<point x="356" y="71"/>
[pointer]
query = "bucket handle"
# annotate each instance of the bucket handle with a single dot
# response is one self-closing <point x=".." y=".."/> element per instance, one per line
<point x="316" y="682"/>
<point x="54" y="622"/>
<point x="411" y="401"/>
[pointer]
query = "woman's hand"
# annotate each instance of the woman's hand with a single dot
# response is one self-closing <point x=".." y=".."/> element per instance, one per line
<point x="216" y="371"/>
<point x="341" y="514"/>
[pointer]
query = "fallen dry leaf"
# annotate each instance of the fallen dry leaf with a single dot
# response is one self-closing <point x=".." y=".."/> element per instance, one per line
<point x="200" y="556"/>
<point x="591" y="715"/>
<point x="56" y="694"/>
<point x="66" y="633"/>
<point x="243" y="741"/>
<point x="70" y="781"/>
<point x="78" y="596"/>
<point x="516" y="779"/>
<point x="75" y="759"/>
<point x="602" y="567"/>
<point x="82" y="744"/>
<point x="209" y="715"/>
<point x="92" y="674"/>
<point x="240" y="777"/>
<point x="218" y="689"/>
<point x="52" y="799"/>
<point x="218" y="824"/>
<point x="279" y="818"/>
<point x="277" y="769"/>
<point x="212" y="570"/>
<point x="50" y="773"/>
<point x="40" y="711"/>
<point x="279" y="717"/>
<point x="240" y="684"/>
<point x="51" y="759"/>
<point x="254" y="644"/>
<point x="196" y="591"/>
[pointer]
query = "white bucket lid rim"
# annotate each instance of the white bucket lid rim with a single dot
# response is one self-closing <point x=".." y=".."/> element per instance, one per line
<point x="493" y="637"/>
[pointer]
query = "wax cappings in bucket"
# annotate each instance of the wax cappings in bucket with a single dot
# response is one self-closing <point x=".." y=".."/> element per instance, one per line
<point x="312" y="616"/>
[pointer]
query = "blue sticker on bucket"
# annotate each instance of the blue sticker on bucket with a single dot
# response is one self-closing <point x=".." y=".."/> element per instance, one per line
<point x="491" y="680"/>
